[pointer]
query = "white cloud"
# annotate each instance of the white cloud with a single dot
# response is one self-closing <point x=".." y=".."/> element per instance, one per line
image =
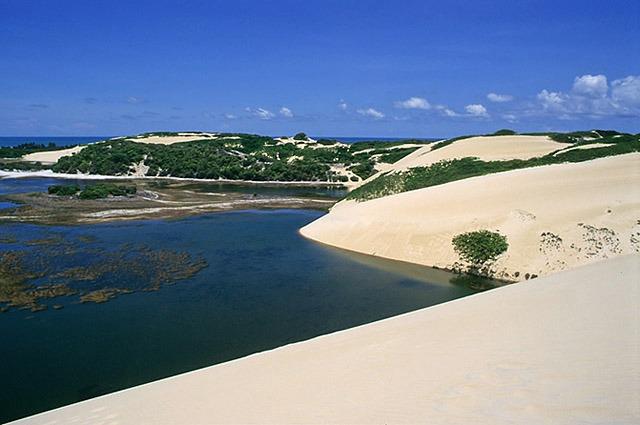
<point x="510" y="118"/>
<point x="591" y="85"/>
<point x="444" y="110"/>
<point x="476" y="110"/>
<point x="343" y="105"/>
<point x="448" y="112"/>
<point x="499" y="98"/>
<point x="261" y="113"/>
<point x="370" y="112"/>
<point x="590" y="96"/>
<point x="551" y="99"/>
<point x="230" y="116"/>
<point x="286" y="112"/>
<point x="413" y="103"/>
<point x="133" y="100"/>
<point x="626" y="91"/>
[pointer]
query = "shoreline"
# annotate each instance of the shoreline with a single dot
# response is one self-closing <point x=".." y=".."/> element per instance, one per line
<point x="51" y="174"/>
<point x="555" y="217"/>
<point x="152" y="201"/>
<point x="423" y="364"/>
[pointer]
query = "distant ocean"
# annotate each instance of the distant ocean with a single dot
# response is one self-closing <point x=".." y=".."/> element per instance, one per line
<point x="59" y="141"/>
<point x="83" y="140"/>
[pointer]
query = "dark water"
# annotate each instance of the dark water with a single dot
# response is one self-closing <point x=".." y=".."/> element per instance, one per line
<point x="265" y="286"/>
<point x="59" y="141"/>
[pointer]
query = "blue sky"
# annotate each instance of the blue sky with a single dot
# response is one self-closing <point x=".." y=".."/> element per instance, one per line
<point x="349" y="68"/>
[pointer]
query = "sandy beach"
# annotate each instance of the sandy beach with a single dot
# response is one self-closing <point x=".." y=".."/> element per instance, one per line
<point x="561" y="349"/>
<point x="555" y="217"/>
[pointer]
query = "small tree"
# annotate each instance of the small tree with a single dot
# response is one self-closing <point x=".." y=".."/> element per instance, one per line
<point x="480" y="248"/>
<point x="301" y="136"/>
<point x="504" y="132"/>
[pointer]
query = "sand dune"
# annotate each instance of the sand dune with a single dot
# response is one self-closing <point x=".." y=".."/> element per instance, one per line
<point x="169" y="140"/>
<point x="555" y="217"/>
<point x="51" y="157"/>
<point x="487" y="148"/>
<point x="556" y="350"/>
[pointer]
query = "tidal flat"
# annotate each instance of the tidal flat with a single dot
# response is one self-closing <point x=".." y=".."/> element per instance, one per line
<point x="156" y="199"/>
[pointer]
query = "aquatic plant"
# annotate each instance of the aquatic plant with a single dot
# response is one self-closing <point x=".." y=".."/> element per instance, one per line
<point x="106" y="274"/>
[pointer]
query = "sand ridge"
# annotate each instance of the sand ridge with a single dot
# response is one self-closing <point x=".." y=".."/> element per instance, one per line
<point x="51" y="157"/>
<point x="486" y="148"/>
<point x="555" y="217"/>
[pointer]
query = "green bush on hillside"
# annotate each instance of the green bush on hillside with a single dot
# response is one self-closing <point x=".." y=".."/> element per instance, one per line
<point x="479" y="248"/>
<point x="504" y="132"/>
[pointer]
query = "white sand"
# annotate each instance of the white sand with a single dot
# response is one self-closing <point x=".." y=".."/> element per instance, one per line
<point x="603" y="195"/>
<point x="581" y="147"/>
<point x="557" y="350"/>
<point x="487" y="148"/>
<point x="51" y="157"/>
<point x="169" y="140"/>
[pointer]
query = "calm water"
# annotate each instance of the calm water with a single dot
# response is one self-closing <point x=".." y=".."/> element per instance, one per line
<point x="265" y="286"/>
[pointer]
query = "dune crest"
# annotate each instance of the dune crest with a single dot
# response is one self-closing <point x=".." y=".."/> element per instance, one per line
<point x="555" y="217"/>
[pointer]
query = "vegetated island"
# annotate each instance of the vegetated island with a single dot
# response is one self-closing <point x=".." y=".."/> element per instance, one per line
<point x="221" y="156"/>
<point x="163" y="167"/>
<point x="507" y="206"/>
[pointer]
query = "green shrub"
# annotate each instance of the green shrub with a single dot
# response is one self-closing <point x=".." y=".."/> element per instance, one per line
<point x="104" y="190"/>
<point x="364" y="169"/>
<point x="63" y="190"/>
<point x="301" y="136"/>
<point x="480" y="247"/>
<point x="504" y="132"/>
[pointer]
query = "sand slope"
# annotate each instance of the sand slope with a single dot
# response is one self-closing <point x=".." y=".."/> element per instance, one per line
<point x="558" y="350"/>
<point x="555" y="217"/>
<point x="51" y="157"/>
<point x="487" y="148"/>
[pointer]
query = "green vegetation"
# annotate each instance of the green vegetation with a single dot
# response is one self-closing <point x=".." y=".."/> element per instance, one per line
<point x="480" y="247"/>
<point x="12" y="165"/>
<point x="231" y="157"/>
<point x="457" y="169"/>
<point x="363" y="169"/>
<point x="63" y="190"/>
<point x="104" y="190"/>
<point x="301" y="136"/>
<point x="94" y="191"/>
<point x="504" y="132"/>
<point x="396" y="155"/>
<point x="27" y="148"/>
